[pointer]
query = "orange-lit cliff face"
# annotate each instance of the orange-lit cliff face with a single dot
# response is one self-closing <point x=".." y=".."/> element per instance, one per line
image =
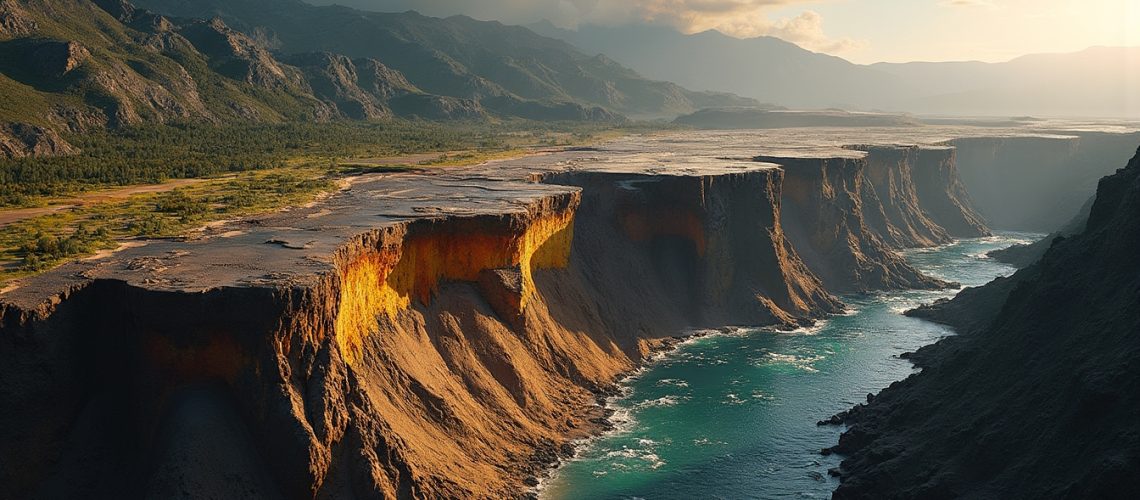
<point x="386" y="279"/>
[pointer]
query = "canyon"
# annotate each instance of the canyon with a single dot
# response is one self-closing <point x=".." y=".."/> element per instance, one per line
<point x="448" y="332"/>
<point x="1034" y="397"/>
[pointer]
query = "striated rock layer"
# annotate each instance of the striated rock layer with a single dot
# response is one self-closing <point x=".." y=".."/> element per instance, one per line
<point x="1037" y="397"/>
<point x="834" y="216"/>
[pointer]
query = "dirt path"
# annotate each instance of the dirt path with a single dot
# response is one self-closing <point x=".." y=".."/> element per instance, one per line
<point x="18" y="214"/>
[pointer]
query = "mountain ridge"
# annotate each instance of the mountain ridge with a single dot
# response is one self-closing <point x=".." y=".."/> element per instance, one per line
<point x="1091" y="82"/>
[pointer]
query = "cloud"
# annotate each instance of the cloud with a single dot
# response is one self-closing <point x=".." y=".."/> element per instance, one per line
<point x="740" y="18"/>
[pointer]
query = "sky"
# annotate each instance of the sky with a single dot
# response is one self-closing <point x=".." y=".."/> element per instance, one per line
<point x="863" y="31"/>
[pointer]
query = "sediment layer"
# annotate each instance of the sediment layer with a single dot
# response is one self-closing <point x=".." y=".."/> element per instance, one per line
<point x="831" y="212"/>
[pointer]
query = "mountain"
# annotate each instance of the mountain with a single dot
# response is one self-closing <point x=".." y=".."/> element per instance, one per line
<point x="75" y="66"/>
<point x="764" y="68"/>
<point x="1037" y="396"/>
<point x="1096" y="82"/>
<point x="499" y="66"/>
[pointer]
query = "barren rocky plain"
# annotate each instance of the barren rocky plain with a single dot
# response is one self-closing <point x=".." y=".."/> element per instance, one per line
<point x="447" y="332"/>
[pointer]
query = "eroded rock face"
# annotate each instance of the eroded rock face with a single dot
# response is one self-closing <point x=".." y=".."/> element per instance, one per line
<point x="416" y="335"/>
<point x="824" y="213"/>
<point x="18" y="140"/>
<point x="704" y="251"/>
<point x="942" y="196"/>
<point x="14" y="22"/>
<point x="1036" y="401"/>
<point x="237" y="56"/>
<point x="334" y="78"/>
<point x="892" y="203"/>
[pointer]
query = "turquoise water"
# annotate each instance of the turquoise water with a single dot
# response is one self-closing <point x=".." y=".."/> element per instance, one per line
<point x="733" y="415"/>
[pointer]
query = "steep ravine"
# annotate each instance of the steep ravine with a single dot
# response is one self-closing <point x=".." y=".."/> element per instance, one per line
<point x="1037" y="396"/>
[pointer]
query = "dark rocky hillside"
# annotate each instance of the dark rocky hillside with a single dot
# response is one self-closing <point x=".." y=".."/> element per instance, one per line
<point x="77" y="66"/>
<point x="509" y="69"/>
<point x="1038" y="395"/>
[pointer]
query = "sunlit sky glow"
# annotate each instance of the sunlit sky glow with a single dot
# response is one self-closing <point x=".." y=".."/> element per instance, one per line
<point x="860" y="30"/>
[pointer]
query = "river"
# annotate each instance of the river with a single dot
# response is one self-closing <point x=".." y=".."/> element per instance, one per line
<point x="733" y="415"/>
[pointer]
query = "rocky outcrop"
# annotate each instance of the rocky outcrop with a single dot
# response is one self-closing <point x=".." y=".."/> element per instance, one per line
<point x="367" y="89"/>
<point x="826" y="202"/>
<point x="334" y="78"/>
<point x="19" y="140"/>
<point x="1036" y="402"/>
<point x="237" y="56"/>
<point x="14" y="21"/>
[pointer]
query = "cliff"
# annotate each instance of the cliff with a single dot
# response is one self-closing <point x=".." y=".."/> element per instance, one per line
<point x="942" y="195"/>
<point x="1033" y="400"/>
<point x="1038" y="184"/>
<point x="834" y="216"/>
<point x="416" y="335"/>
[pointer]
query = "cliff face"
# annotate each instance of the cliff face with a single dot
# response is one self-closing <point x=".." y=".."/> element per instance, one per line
<point x="1038" y="184"/>
<point x="831" y="210"/>
<point x="416" y="335"/>
<point x="701" y="251"/>
<point x="942" y="195"/>
<point x="893" y="206"/>
<point x="1034" y="400"/>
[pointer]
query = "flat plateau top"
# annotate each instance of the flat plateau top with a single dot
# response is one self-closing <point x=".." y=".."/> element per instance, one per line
<point x="292" y="247"/>
<point x="295" y="246"/>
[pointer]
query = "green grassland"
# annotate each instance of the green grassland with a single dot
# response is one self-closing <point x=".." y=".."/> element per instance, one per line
<point x="245" y="170"/>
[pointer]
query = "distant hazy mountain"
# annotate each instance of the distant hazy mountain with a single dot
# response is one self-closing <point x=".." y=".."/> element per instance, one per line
<point x="496" y="65"/>
<point x="768" y="69"/>
<point x="1100" y="81"/>
<point x="1094" y="82"/>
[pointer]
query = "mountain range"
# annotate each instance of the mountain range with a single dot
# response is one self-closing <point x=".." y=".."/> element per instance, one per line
<point x="1097" y="82"/>
<point x="76" y="66"/>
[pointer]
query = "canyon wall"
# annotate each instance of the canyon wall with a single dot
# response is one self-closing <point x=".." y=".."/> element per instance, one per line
<point x="1038" y="183"/>
<point x="1036" y="397"/>
<point x="415" y="336"/>
<point x="834" y="216"/>
<point x="435" y="334"/>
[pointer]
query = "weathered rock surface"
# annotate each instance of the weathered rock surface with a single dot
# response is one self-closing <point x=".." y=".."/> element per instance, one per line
<point x="18" y="140"/>
<point x="14" y="21"/>
<point x="825" y="201"/>
<point x="1036" y="401"/>
<point x="942" y="195"/>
